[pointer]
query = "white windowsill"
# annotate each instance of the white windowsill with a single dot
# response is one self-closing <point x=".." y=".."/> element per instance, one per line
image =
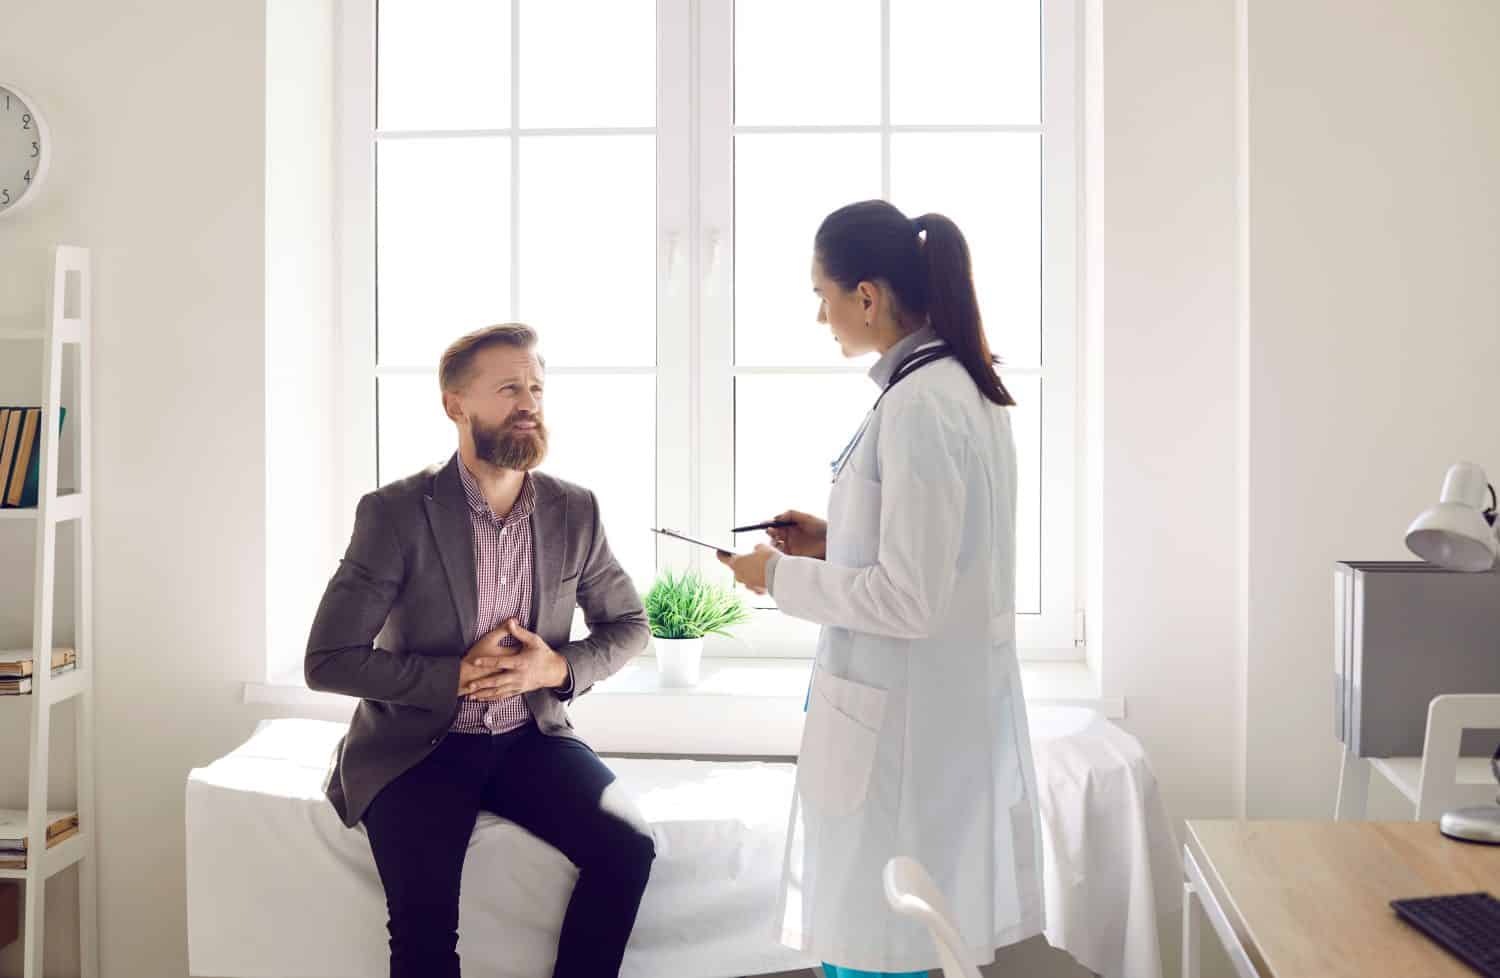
<point x="747" y="707"/>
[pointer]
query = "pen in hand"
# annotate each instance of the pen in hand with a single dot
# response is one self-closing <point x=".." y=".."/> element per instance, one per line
<point x="768" y="525"/>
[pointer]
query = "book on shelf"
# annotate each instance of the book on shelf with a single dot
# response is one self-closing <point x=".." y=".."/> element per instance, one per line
<point x="24" y="453"/>
<point x="10" y="430"/>
<point x="21" y="685"/>
<point x="19" y="662"/>
<point x="21" y="455"/>
<point x="61" y="826"/>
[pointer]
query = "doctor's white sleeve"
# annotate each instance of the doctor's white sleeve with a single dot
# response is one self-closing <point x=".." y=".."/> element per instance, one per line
<point x="923" y="461"/>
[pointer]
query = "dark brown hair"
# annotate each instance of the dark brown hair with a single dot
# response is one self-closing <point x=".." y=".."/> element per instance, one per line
<point x="457" y="364"/>
<point x="932" y="279"/>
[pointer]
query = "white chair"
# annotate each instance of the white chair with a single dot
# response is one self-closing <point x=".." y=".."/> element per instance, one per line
<point x="912" y="893"/>
<point x="1447" y="781"/>
<point x="1439" y="780"/>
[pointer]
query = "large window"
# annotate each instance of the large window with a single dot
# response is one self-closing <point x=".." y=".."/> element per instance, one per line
<point x="641" y="182"/>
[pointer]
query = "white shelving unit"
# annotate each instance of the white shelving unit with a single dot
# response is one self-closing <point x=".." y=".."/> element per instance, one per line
<point x="69" y="314"/>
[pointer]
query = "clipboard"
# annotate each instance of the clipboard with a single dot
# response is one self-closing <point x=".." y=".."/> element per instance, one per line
<point x="687" y="539"/>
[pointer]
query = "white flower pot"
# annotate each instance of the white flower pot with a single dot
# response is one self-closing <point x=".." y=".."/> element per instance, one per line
<point x="679" y="660"/>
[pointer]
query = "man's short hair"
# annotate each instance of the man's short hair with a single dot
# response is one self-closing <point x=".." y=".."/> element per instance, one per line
<point x="457" y="365"/>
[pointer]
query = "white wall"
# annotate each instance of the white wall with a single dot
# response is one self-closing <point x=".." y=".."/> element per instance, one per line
<point x="157" y="111"/>
<point x="1375" y="336"/>
<point x="1236" y="457"/>
<point x="1162" y="350"/>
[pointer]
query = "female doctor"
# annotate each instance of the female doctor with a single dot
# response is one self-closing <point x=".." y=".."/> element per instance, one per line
<point x="916" y="741"/>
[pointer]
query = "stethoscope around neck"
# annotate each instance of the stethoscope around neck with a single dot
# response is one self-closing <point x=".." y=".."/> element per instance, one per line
<point x="916" y="361"/>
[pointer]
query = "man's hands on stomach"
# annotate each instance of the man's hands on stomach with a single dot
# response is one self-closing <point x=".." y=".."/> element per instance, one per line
<point x="494" y="671"/>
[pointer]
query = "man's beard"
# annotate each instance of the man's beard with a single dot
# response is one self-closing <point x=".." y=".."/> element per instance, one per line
<point x="501" y="446"/>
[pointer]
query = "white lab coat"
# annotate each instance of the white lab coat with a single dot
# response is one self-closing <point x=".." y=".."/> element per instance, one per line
<point x="916" y="741"/>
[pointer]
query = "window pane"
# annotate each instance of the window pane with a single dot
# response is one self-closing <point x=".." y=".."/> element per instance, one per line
<point x="787" y="428"/>
<point x="784" y="185"/>
<point x="413" y="430"/>
<point x="610" y="451"/>
<point x="798" y="63"/>
<point x="990" y="184"/>
<point x="588" y="247"/>
<point x="444" y="64"/>
<point x="1026" y="426"/>
<point x="588" y="63"/>
<point x="956" y="61"/>
<point x="443" y="243"/>
<point x="602" y="436"/>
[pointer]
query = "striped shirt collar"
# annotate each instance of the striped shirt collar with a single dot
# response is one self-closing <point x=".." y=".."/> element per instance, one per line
<point x="885" y="367"/>
<point x="525" y="503"/>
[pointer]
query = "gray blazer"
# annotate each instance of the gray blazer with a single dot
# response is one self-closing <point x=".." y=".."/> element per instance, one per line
<point x="398" y="616"/>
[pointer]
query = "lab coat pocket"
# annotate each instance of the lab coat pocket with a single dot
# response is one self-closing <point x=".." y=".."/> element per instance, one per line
<point x="839" y="744"/>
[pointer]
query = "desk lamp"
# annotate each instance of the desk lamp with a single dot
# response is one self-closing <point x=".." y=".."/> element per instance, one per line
<point x="1459" y="534"/>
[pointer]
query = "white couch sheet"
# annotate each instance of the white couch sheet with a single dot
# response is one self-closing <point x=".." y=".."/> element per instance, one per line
<point x="278" y="888"/>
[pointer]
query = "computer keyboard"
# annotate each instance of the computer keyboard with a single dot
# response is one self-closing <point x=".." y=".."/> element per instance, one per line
<point x="1466" y="924"/>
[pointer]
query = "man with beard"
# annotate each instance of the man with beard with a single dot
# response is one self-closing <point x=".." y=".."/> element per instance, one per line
<point x="449" y="617"/>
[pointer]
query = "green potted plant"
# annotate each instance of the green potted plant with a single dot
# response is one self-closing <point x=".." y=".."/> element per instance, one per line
<point x="683" y="608"/>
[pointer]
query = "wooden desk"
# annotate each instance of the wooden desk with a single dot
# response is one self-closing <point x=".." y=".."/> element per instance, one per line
<point x="1293" y="899"/>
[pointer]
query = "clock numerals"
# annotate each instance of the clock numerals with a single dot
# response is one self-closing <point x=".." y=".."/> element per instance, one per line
<point x="14" y="192"/>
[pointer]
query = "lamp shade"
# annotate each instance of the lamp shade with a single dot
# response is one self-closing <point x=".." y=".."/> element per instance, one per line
<point x="1454" y="533"/>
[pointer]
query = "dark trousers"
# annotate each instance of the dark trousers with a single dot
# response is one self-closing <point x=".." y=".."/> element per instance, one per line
<point x="419" y="827"/>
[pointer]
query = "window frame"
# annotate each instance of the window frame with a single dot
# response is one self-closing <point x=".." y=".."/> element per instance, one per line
<point x="695" y="370"/>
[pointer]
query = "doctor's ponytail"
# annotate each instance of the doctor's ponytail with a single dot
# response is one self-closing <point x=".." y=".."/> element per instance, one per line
<point x="925" y="263"/>
<point x="953" y="306"/>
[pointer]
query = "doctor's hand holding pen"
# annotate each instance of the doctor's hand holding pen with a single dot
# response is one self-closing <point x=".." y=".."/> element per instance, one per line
<point x="806" y="536"/>
<point x="793" y="533"/>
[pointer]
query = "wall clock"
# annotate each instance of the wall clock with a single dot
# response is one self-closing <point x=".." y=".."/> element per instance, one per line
<point x="25" y="149"/>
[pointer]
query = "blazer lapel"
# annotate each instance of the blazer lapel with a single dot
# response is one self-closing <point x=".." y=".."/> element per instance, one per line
<point x="549" y="534"/>
<point x="448" y="514"/>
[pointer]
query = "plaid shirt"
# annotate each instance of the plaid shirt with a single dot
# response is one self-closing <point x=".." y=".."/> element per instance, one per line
<point x="503" y="551"/>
